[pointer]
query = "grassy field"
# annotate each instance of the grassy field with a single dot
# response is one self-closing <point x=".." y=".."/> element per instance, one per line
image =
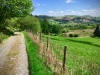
<point x="81" y="32"/>
<point x="36" y="63"/>
<point x="83" y="54"/>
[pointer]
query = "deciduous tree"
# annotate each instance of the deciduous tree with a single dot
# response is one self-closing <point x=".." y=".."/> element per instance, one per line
<point x="97" y="31"/>
<point x="14" y="8"/>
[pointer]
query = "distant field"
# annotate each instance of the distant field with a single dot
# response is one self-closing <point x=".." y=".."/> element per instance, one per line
<point x="83" y="53"/>
<point x="81" y="33"/>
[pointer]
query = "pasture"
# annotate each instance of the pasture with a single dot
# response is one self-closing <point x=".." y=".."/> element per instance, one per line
<point x="83" y="54"/>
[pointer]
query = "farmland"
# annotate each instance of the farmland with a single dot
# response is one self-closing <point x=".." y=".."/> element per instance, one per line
<point x="82" y="54"/>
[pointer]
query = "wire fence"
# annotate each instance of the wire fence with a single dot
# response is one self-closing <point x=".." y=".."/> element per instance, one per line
<point x="62" y="61"/>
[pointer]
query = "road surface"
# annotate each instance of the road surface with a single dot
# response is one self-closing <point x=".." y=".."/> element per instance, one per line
<point x="13" y="56"/>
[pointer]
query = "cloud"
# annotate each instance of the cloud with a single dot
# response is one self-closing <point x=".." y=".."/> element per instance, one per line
<point x="50" y="11"/>
<point x="72" y="11"/>
<point x="61" y="12"/>
<point x="70" y="1"/>
<point x="91" y="12"/>
<point x="38" y="4"/>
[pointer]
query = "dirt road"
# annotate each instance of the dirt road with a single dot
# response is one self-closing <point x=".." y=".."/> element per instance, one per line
<point x="13" y="56"/>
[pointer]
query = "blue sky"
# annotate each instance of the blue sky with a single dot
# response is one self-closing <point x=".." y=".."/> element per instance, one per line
<point x="66" y="7"/>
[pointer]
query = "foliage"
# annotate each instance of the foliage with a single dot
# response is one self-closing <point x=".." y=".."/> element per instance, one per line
<point x="44" y="26"/>
<point x="97" y="31"/>
<point x="12" y="23"/>
<point x="13" y="8"/>
<point x="36" y="63"/>
<point x="56" y="29"/>
<point x="30" y="23"/>
<point x="64" y="30"/>
<point x="49" y="28"/>
<point x="3" y="36"/>
<point x="75" y="35"/>
<point x="70" y="35"/>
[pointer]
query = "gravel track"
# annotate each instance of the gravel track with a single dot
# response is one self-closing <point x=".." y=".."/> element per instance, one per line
<point x="13" y="56"/>
<point x="4" y="50"/>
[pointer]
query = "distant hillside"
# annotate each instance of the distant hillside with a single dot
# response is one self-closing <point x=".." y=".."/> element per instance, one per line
<point x="71" y="19"/>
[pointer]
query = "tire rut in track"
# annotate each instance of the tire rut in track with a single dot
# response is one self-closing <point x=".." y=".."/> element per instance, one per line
<point x="8" y="67"/>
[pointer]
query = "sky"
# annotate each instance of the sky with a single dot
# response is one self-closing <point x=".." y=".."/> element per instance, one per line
<point x="66" y="7"/>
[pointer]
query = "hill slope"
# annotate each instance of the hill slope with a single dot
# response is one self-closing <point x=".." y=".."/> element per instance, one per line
<point x="72" y="18"/>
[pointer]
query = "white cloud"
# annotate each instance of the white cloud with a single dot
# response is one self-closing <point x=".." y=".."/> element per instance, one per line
<point x="72" y="11"/>
<point x="91" y="12"/>
<point x="70" y="1"/>
<point x="38" y="4"/>
<point x="50" y="11"/>
<point x="61" y="12"/>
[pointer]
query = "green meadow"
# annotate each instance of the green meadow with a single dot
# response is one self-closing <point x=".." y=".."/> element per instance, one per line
<point x="83" y="53"/>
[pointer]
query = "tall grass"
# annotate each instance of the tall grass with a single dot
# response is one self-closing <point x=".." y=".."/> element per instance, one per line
<point x="36" y="63"/>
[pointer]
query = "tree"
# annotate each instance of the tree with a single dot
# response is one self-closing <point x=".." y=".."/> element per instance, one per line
<point x="45" y="25"/>
<point x="14" y="8"/>
<point x="75" y="35"/>
<point x="97" y="31"/>
<point x="70" y="35"/>
<point x="30" y="23"/>
<point x="56" y="29"/>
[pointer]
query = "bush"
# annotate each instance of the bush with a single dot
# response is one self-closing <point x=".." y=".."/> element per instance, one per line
<point x="75" y="35"/>
<point x="64" y="31"/>
<point x="0" y="40"/>
<point x="70" y="35"/>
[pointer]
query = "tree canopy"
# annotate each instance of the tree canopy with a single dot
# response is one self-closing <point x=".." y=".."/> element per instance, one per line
<point x="97" y="31"/>
<point x="30" y="23"/>
<point x="14" y="8"/>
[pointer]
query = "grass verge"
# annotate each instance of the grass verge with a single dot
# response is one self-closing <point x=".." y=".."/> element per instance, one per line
<point x="36" y="63"/>
<point x="3" y="37"/>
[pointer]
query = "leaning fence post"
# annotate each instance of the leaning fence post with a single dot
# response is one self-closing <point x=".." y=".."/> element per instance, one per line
<point x="64" y="59"/>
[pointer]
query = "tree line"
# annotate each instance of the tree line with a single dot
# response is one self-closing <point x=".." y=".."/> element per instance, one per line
<point x="48" y="28"/>
<point x="17" y="15"/>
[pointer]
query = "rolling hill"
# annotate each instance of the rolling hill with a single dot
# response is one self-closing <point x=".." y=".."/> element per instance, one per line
<point x="71" y="18"/>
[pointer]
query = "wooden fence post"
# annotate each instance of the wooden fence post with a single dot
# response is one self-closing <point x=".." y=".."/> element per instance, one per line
<point x="40" y="36"/>
<point x="47" y="43"/>
<point x="64" y="59"/>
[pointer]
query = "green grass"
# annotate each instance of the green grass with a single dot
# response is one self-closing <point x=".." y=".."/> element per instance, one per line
<point x="3" y="37"/>
<point x="80" y="51"/>
<point x="36" y="63"/>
